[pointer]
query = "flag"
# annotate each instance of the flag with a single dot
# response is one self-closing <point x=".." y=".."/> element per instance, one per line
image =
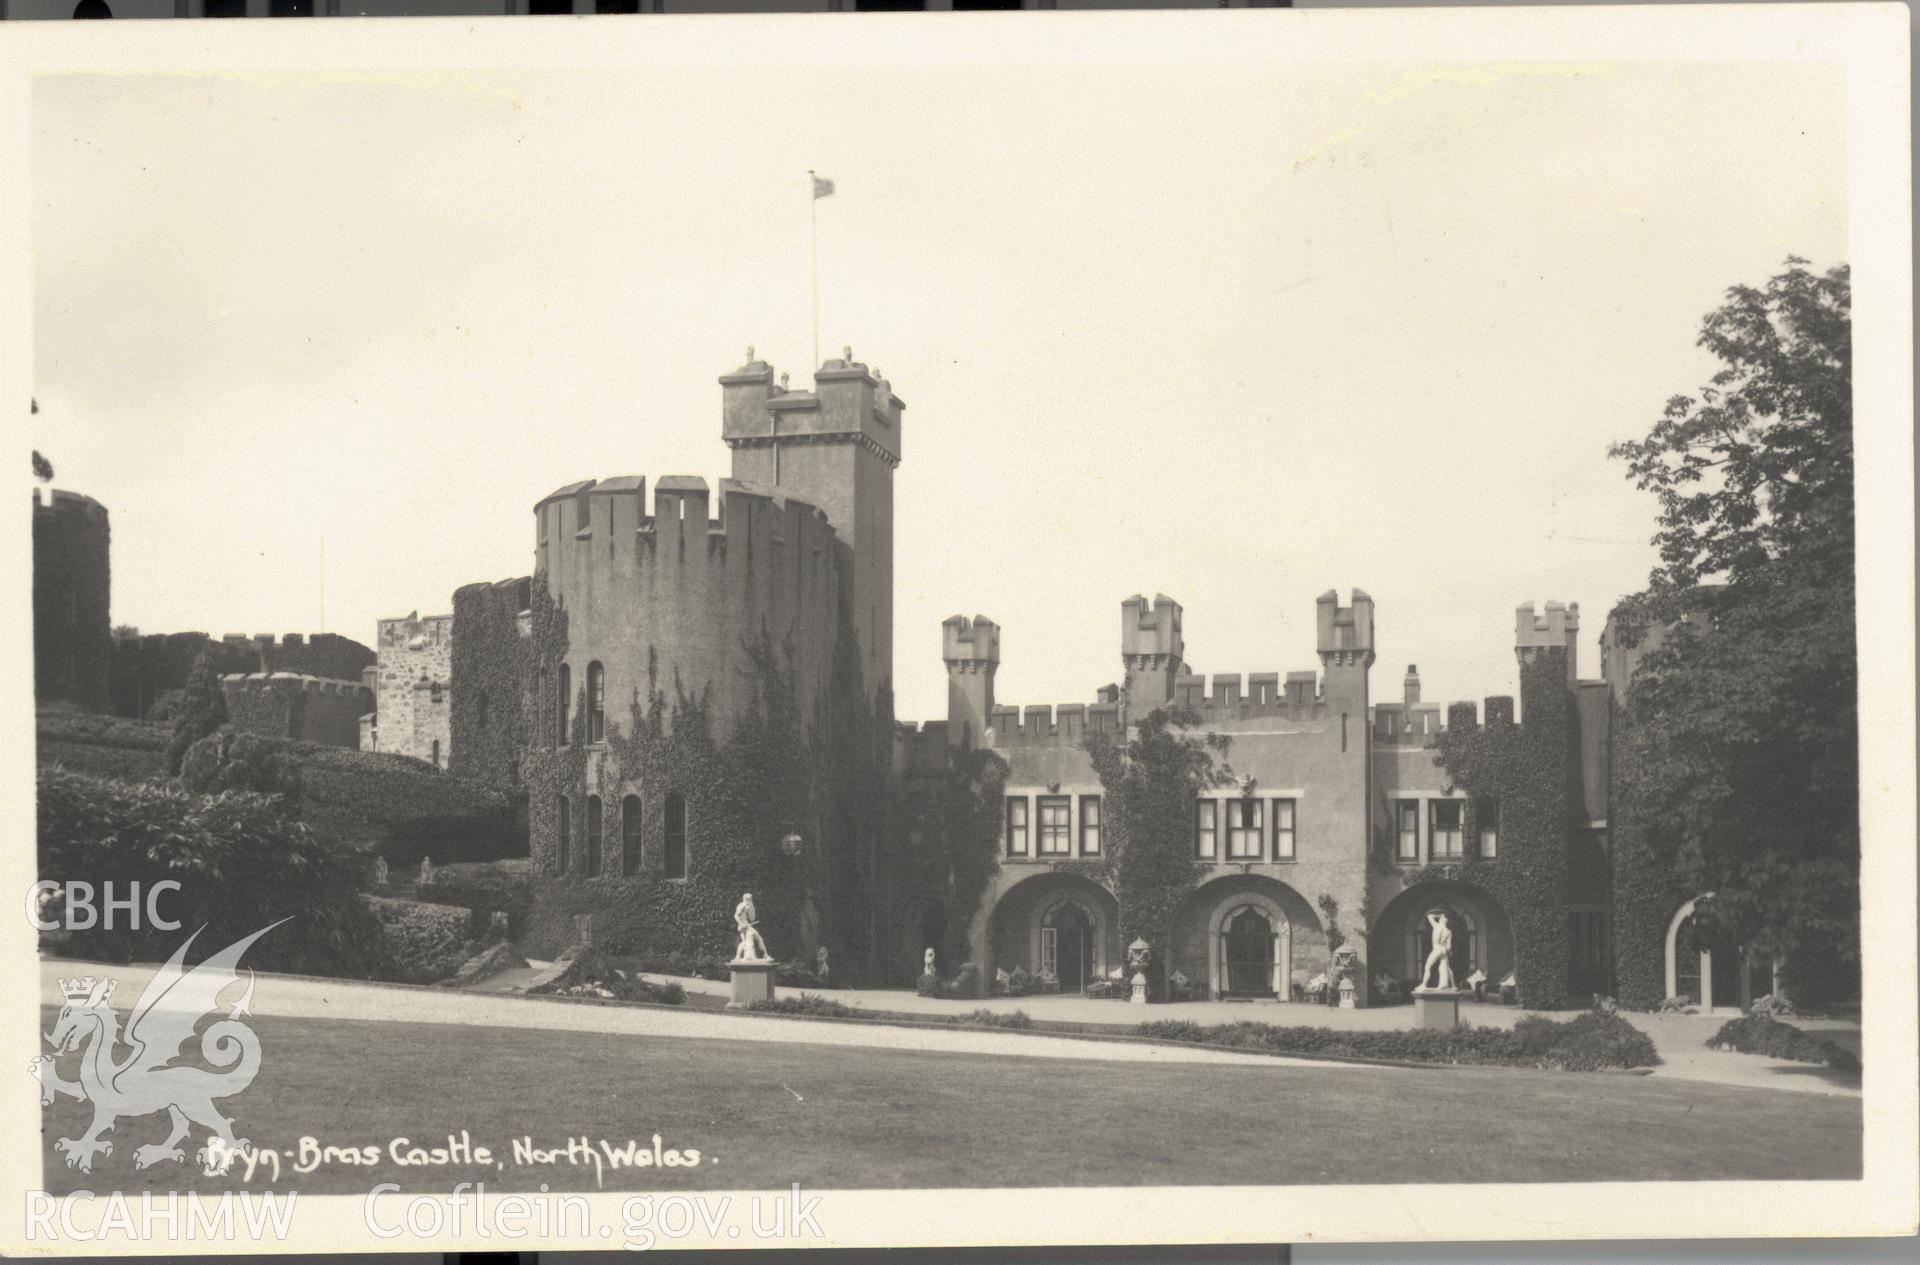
<point x="822" y="188"/>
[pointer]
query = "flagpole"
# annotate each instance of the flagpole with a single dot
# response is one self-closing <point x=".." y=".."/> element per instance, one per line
<point x="813" y="246"/>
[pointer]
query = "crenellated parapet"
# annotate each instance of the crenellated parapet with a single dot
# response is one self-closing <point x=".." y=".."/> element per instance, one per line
<point x="670" y="591"/>
<point x="1063" y="725"/>
<point x="971" y="650"/>
<point x="297" y="705"/>
<point x="1152" y="650"/>
<point x="1229" y="697"/>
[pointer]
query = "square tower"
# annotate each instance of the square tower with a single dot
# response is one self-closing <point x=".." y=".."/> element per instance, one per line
<point x="834" y="447"/>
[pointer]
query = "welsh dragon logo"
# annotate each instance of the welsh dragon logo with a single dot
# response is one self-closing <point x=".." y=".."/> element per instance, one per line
<point x="144" y="1082"/>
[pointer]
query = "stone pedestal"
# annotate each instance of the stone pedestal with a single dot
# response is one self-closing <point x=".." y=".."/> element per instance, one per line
<point x="752" y="982"/>
<point x="1438" y="1007"/>
<point x="1139" y="988"/>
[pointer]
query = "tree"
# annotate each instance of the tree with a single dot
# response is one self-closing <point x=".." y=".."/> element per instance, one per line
<point x="1149" y="784"/>
<point x="1738" y="762"/>
<point x="42" y="468"/>
<point x="202" y="710"/>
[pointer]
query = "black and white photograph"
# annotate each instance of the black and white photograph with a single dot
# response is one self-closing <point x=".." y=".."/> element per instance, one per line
<point x="955" y="629"/>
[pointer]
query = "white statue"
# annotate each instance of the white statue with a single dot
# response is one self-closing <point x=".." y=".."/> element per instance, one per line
<point x="379" y="871"/>
<point x="426" y="871"/>
<point x="926" y="967"/>
<point x="1442" y="946"/>
<point x="821" y="969"/>
<point x="752" y="947"/>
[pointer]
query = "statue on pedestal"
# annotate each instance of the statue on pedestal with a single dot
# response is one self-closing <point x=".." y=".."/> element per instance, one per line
<point x="820" y="968"/>
<point x="747" y="923"/>
<point x="926" y="965"/>
<point x="1442" y="947"/>
<point x="426" y="872"/>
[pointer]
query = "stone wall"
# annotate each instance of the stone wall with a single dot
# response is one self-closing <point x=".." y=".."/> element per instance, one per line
<point x="72" y="587"/>
<point x="289" y="705"/>
<point x="148" y="668"/>
<point x="413" y="706"/>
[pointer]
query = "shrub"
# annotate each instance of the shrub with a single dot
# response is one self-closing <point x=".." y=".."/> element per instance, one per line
<point x="1763" y="1034"/>
<point x="230" y="761"/>
<point x="929" y="985"/>
<point x="593" y="974"/>
<point x="423" y="943"/>
<point x="488" y="887"/>
<point x="241" y="863"/>
<point x="985" y="1018"/>
<point x="808" y="1004"/>
<point x="1586" y="1043"/>
<point x="202" y="710"/>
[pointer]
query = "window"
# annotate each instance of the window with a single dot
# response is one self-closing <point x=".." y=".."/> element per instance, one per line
<point x="1283" y="829"/>
<point x="480" y="711"/>
<point x="433" y="691"/>
<point x="1206" y="829"/>
<point x="596" y="703"/>
<point x="436" y="753"/>
<point x="539" y="697"/>
<point x="557" y="6"/>
<point x="226" y="8"/>
<point x="1406" y="814"/>
<point x="1444" y="829"/>
<point x="595" y="823"/>
<point x="616" y="6"/>
<point x="566" y="837"/>
<point x="513" y="771"/>
<point x="565" y="695"/>
<point x="1056" y="825"/>
<point x="674" y="853"/>
<point x="1244" y="830"/>
<point x="290" y="9"/>
<point x="1487" y="815"/>
<point x="1016" y="825"/>
<point x="1090" y="825"/>
<point x="630" y="835"/>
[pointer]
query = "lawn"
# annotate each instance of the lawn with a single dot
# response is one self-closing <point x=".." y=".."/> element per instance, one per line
<point x="766" y="1114"/>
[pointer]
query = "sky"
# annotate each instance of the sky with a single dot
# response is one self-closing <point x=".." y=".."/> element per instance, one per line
<point x="1235" y="333"/>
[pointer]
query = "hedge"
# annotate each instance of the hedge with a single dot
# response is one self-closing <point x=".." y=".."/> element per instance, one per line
<point x="242" y="863"/>
<point x="1588" y="1042"/>
<point x="401" y="807"/>
<point x="488" y="886"/>
<point x="423" y="943"/>
<point x="1763" y="1034"/>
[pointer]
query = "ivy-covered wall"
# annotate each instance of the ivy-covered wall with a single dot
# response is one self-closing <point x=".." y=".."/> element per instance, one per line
<point x="746" y="784"/>
<point x="1531" y="768"/>
<point x="1645" y="894"/>
<point x="491" y="667"/>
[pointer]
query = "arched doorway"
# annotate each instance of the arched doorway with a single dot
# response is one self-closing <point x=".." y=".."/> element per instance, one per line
<point x="1250" y="956"/>
<point x="1729" y="979"/>
<point x="1067" y="944"/>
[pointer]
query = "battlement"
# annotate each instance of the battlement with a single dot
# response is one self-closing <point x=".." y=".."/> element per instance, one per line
<point x="849" y="403"/>
<point x="970" y="643"/>
<point x="298" y="682"/>
<point x="1041" y="725"/>
<point x="1558" y="628"/>
<point x="920" y="750"/>
<point x="59" y="502"/>
<point x="1224" y="697"/>
<point x="1417" y="724"/>
<point x="601" y="521"/>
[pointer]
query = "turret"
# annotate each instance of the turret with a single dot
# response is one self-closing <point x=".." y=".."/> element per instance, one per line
<point x="1411" y="686"/>
<point x="971" y="648"/>
<point x="1345" y="637"/>
<point x="834" y="447"/>
<point x="1559" y="628"/>
<point x="1152" y="650"/>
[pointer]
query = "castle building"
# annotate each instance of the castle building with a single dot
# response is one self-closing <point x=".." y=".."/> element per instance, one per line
<point x="72" y="589"/>
<point x="687" y="686"/>
<point x="664" y="625"/>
